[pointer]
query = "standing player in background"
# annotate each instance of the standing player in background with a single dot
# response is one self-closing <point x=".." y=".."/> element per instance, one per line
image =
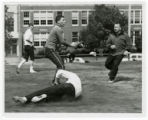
<point x="53" y="43"/>
<point x="119" y="45"/>
<point x="69" y="84"/>
<point x="28" y="49"/>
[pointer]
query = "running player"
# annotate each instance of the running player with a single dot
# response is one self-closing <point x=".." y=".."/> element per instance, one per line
<point x="119" y="45"/>
<point x="28" y="49"/>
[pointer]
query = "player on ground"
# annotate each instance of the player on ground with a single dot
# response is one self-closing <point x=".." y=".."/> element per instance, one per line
<point x="68" y="84"/>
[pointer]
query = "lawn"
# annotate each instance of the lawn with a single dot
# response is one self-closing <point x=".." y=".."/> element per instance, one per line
<point x="99" y="96"/>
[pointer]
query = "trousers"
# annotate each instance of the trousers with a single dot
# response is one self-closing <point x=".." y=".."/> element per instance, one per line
<point x="112" y="63"/>
<point x="54" y="92"/>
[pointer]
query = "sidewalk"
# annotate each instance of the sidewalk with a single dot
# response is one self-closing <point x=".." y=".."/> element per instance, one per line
<point x="12" y="60"/>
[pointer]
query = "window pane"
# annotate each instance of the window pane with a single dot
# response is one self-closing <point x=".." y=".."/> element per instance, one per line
<point x="50" y="15"/>
<point x="84" y="14"/>
<point x="137" y="16"/>
<point x="75" y="36"/>
<point x="84" y="21"/>
<point x="43" y="43"/>
<point x="36" y="14"/>
<point x="26" y="14"/>
<point x="59" y="13"/>
<point x="36" y="43"/>
<point x="43" y="14"/>
<point x="75" y="22"/>
<point x="132" y="16"/>
<point x="26" y="22"/>
<point x="50" y="22"/>
<point x="75" y="15"/>
<point x="43" y="22"/>
<point x="36" y="22"/>
<point x="36" y="36"/>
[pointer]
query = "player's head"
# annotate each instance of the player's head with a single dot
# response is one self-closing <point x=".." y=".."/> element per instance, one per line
<point x="31" y="25"/>
<point x="117" y="27"/>
<point x="60" y="20"/>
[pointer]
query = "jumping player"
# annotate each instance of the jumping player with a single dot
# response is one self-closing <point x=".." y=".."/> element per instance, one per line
<point x="69" y="84"/>
<point x="53" y="43"/>
<point x="28" y="49"/>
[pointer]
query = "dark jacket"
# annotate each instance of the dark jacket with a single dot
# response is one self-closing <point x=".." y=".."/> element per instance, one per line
<point x="122" y="42"/>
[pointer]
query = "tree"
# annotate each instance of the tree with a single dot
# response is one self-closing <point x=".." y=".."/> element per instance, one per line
<point x="101" y="23"/>
<point x="8" y="29"/>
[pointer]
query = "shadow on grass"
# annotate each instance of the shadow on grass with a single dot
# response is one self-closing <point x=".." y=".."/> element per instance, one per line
<point x="123" y="78"/>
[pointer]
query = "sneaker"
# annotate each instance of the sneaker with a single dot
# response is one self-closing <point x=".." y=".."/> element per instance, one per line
<point x="17" y="70"/>
<point x="38" y="98"/>
<point x="111" y="81"/>
<point x="32" y="71"/>
<point x="19" y="99"/>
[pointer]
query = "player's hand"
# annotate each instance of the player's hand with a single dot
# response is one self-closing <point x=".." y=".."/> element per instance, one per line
<point x="113" y="46"/>
<point x="126" y="52"/>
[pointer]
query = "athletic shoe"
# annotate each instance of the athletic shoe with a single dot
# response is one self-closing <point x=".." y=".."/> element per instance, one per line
<point x="17" y="70"/>
<point x="32" y="71"/>
<point x="38" y="98"/>
<point x="19" y="99"/>
<point x="111" y="81"/>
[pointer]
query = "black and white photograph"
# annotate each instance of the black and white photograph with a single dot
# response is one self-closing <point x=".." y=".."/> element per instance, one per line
<point x="73" y="58"/>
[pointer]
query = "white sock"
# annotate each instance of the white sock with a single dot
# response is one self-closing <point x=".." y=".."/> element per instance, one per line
<point x="21" y="63"/>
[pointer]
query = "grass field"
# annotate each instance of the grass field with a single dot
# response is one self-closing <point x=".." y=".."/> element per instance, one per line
<point x="99" y="96"/>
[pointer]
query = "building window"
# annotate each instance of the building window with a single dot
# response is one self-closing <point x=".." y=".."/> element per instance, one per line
<point x="26" y="18"/>
<point x="43" y="43"/>
<point x="84" y="18"/>
<point x="75" y="18"/>
<point x="26" y="22"/>
<point x="50" y="18"/>
<point x="49" y="22"/>
<point x="43" y="22"/>
<point x="36" y="17"/>
<point x="36" y="43"/>
<point x="137" y="16"/>
<point x="26" y="14"/>
<point x="43" y="18"/>
<point x="75" y="36"/>
<point x="40" y="39"/>
<point x="59" y="13"/>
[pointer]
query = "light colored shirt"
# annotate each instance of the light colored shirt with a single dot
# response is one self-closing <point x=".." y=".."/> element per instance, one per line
<point x="28" y="35"/>
<point x="73" y="79"/>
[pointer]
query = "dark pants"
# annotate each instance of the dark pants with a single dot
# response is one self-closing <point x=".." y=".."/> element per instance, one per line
<point x="28" y="52"/>
<point x="71" y="57"/>
<point x="112" y="63"/>
<point x="54" y="92"/>
<point x="55" y="58"/>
